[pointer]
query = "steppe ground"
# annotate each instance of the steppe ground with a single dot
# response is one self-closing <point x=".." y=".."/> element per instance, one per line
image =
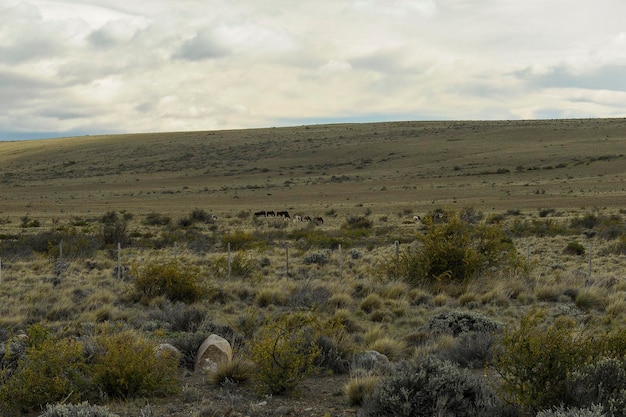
<point x="386" y="167"/>
<point x="388" y="172"/>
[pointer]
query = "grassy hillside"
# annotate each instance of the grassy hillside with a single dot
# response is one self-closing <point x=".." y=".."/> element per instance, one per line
<point x="383" y="166"/>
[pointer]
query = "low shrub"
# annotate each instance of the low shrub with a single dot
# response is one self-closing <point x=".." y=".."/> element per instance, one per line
<point x="357" y="222"/>
<point x="472" y="350"/>
<point x="83" y="409"/>
<point x="601" y="383"/>
<point x="239" y="240"/>
<point x="574" y="248"/>
<point x="458" y="322"/>
<point x="51" y="370"/>
<point x="592" y="411"/>
<point x="128" y="366"/>
<point x="320" y="259"/>
<point x="430" y="387"/>
<point x="157" y="219"/>
<point x="241" y="266"/>
<point x="175" y="279"/>
<point x="533" y="362"/>
<point x="285" y="350"/>
<point x="453" y="251"/>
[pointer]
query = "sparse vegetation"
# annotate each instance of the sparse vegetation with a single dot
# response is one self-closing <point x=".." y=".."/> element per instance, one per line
<point x="95" y="325"/>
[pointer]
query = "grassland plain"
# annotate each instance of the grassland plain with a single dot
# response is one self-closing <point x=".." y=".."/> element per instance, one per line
<point x="539" y="177"/>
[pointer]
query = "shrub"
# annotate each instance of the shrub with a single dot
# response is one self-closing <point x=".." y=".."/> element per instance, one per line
<point x="76" y="410"/>
<point x="588" y="221"/>
<point x="430" y="387"/>
<point x="52" y="370"/>
<point x="315" y="258"/>
<point x="175" y="279"/>
<point x="156" y="219"/>
<point x="357" y="222"/>
<point x="129" y="366"/>
<point x="574" y="248"/>
<point x="453" y="251"/>
<point x="533" y="362"/>
<point x="602" y="383"/>
<point x="470" y="350"/>
<point x="592" y="411"/>
<point x="238" y="240"/>
<point x="240" y="266"/>
<point x="284" y="351"/>
<point x="458" y="322"/>
<point x="334" y="351"/>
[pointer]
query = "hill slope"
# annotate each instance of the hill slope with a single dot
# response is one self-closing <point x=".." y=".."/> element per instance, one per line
<point x="384" y="166"/>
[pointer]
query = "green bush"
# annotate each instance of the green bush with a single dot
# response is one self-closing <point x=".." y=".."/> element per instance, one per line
<point x="129" y="366"/>
<point x="76" y="410"/>
<point x="310" y="237"/>
<point x="157" y="219"/>
<point x="241" y="266"/>
<point x="51" y="370"/>
<point x="453" y="251"/>
<point x="430" y="387"/>
<point x="175" y="279"/>
<point x="533" y="362"/>
<point x="574" y="248"/>
<point x="284" y="351"/>
<point x="357" y="222"/>
<point x="537" y="227"/>
<point x="239" y="239"/>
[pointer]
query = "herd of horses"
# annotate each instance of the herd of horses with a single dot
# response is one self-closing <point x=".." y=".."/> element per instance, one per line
<point x="285" y="215"/>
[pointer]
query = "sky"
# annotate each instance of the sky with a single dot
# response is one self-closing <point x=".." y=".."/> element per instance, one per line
<point x="85" y="67"/>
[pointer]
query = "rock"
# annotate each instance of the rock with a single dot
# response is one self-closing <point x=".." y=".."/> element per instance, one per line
<point x="214" y="351"/>
<point x="166" y="347"/>
<point x="283" y="410"/>
<point x="370" y="360"/>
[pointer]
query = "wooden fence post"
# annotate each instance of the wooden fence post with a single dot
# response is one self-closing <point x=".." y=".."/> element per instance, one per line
<point x="119" y="260"/>
<point x="590" y="257"/>
<point x="229" y="264"/>
<point x="340" y="262"/>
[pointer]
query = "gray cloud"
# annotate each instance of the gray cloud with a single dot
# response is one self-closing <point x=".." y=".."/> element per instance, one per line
<point x="606" y="77"/>
<point x="204" y="45"/>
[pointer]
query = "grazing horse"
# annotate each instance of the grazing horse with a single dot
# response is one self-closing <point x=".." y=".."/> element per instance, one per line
<point x="297" y="218"/>
<point x="283" y="214"/>
<point x="270" y="214"/>
<point x="319" y="221"/>
<point x="307" y="219"/>
<point x="260" y="214"/>
<point x="417" y="219"/>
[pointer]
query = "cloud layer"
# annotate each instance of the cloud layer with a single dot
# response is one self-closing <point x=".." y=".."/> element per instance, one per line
<point x="104" y="66"/>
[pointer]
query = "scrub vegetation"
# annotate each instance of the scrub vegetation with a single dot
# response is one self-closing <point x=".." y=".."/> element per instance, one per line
<point x="507" y="297"/>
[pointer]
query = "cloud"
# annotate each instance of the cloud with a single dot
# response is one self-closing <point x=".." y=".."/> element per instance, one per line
<point x="204" y="45"/>
<point x="117" y="65"/>
<point x="606" y="77"/>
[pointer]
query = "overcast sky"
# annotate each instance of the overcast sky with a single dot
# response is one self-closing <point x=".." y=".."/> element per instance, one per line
<point x="106" y="66"/>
